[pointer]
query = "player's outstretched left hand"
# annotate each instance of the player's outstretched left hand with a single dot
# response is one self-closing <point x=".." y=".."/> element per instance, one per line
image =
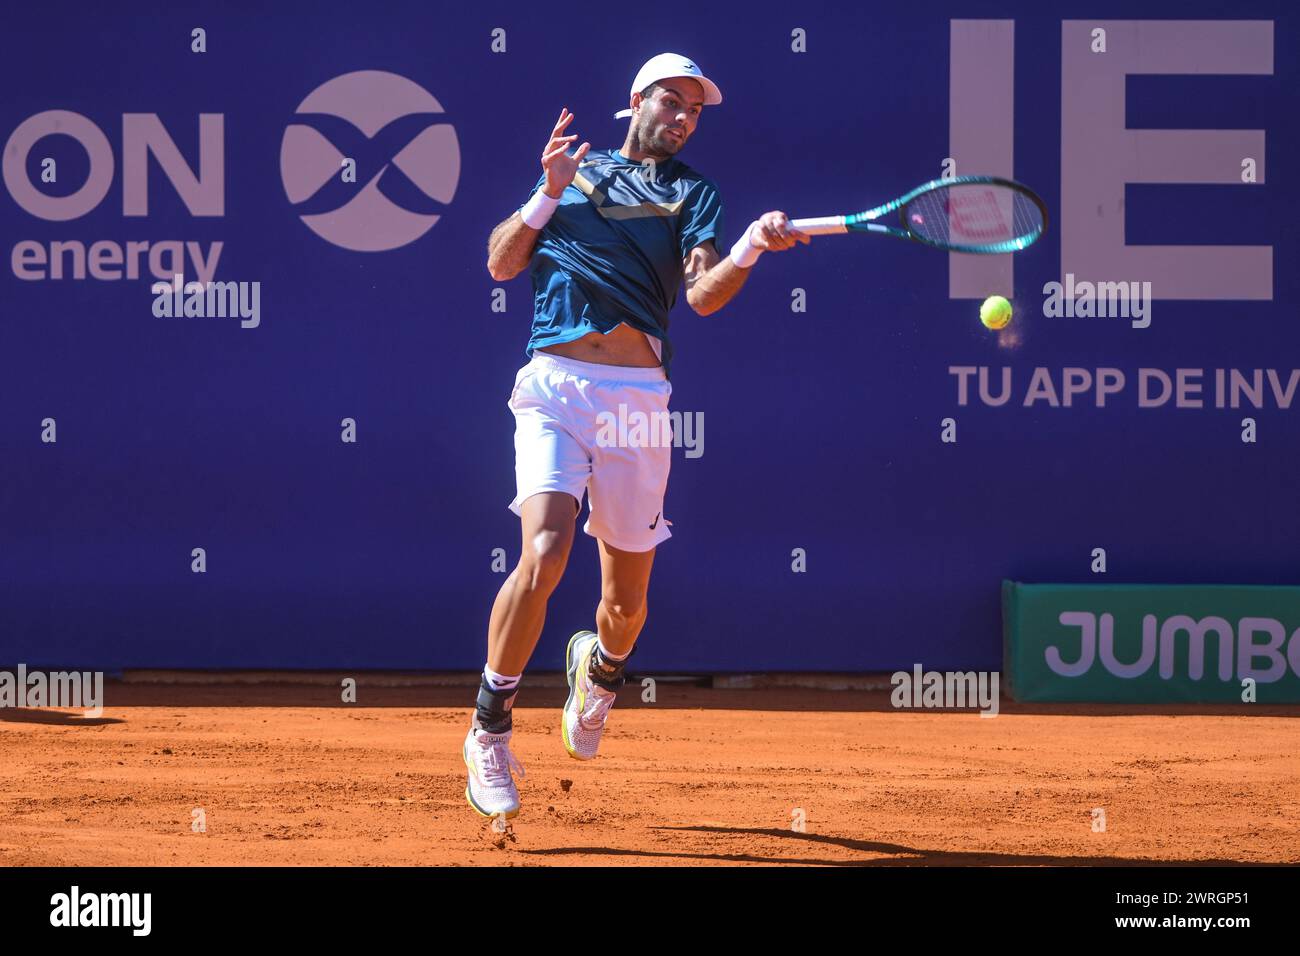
<point x="775" y="234"/>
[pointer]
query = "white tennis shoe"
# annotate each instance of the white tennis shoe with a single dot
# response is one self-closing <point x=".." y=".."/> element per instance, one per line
<point x="491" y="790"/>
<point x="588" y="706"/>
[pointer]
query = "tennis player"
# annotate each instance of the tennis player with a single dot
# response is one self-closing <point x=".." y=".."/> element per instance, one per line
<point x="611" y="235"/>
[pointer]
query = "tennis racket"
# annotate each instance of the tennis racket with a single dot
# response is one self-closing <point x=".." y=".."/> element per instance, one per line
<point x="978" y="214"/>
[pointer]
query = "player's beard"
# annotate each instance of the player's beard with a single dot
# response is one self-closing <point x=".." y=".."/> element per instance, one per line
<point x="672" y="145"/>
<point x="655" y="141"/>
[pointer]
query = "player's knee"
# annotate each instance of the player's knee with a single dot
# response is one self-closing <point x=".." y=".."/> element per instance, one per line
<point x="542" y="565"/>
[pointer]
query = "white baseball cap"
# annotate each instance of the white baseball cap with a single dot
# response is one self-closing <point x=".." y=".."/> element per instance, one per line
<point x="667" y="65"/>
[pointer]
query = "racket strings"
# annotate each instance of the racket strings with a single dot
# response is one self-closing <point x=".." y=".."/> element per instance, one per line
<point x="974" y="216"/>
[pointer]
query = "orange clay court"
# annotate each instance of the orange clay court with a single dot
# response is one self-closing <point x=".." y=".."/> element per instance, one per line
<point x="702" y="777"/>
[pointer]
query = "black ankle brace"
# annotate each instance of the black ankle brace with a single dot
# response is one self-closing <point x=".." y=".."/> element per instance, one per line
<point x="493" y="708"/>
<point x="608" y="674"/>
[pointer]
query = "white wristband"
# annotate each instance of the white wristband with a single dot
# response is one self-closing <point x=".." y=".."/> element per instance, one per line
<point x="538" y="210"/>
<point x="744" y="253"/>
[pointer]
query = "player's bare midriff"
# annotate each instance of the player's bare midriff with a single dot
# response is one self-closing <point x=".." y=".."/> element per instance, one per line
<point x="622" y="345"/>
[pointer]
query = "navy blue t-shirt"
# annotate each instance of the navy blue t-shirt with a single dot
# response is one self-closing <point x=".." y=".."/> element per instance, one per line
<point x="613" y="250"/>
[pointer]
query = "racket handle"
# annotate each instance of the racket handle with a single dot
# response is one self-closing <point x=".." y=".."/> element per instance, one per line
<point x="820" y="227"/>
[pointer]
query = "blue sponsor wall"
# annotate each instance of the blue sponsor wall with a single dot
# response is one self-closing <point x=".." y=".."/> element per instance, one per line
<point x="822" y="427"/>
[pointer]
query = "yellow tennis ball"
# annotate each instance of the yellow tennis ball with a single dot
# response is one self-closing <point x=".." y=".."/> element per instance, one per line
<point x="995" y="313"/>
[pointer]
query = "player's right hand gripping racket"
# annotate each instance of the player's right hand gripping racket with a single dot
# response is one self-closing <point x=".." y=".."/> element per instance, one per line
<point x="979" y="214"/>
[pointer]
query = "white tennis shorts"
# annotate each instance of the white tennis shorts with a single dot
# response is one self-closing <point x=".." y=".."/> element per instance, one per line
<point x="599" y="428"/>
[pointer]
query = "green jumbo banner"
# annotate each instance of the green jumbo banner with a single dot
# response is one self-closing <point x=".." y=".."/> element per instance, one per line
<point x="1139" y="643"/>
